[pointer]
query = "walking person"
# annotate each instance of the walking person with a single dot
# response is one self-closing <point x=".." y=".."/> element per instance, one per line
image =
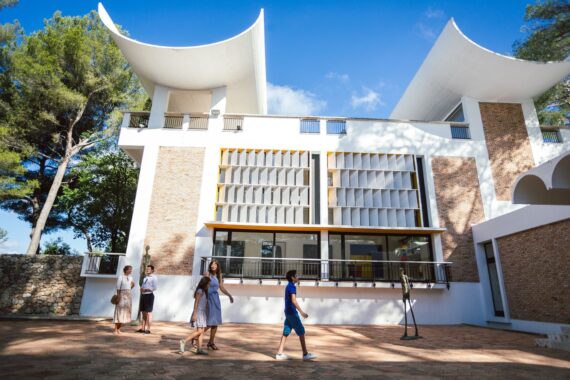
<point x="198" y="319"/>
<point x="124" y="305"/>
<point x="214" y="307"/>
<point x="148" y="288"/>
<point x="292" y="320"/>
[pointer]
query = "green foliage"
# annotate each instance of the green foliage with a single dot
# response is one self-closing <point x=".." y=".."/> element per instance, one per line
<point x="548" y="25"/>
<point x="3" y="236"/>
<point x="99" y="199"/>
<point x="58" y="247"/>
<point x="69" y="82"/>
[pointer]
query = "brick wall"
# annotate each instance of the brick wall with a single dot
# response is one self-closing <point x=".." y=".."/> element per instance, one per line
<point x="459" y="205"/>
<point x="173" y="211"/>
<point x="40" y="284"/>
<point x="507" y="143"/>
<point x="536" y="271"/>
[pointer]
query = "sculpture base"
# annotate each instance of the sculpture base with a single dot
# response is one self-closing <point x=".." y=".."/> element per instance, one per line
<point x="411" y="337"/>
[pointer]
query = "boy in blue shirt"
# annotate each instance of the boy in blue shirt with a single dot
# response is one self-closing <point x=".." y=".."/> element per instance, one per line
<point x="292" y="320"/>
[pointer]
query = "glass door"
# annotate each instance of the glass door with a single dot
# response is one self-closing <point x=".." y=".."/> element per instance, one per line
<point x="494" y="280"/>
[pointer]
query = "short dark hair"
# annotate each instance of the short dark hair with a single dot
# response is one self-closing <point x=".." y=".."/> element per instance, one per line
<point x="292" y="273"/>
<point x="151" y="267"/>
<point x="126" y="268"/>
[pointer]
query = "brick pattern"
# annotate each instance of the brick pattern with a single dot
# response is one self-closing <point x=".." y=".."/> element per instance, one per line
<point x="173" y="214"/>
<point x="507" y="143"/>
<point x="536" y="272"/>
<point x="40" y="285"/>
<point x="459" y="205"/>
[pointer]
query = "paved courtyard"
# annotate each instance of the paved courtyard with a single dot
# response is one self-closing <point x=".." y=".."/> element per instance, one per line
<point x="88" y="350"/>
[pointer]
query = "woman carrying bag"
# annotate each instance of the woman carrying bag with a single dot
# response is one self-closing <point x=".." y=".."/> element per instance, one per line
<point x="123" y="300"/>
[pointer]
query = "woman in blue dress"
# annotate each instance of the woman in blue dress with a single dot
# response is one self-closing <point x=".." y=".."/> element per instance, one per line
<point x="214" y="313"/>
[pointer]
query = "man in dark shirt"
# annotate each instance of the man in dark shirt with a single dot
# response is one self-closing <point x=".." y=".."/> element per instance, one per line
<point x="292" y="320"/>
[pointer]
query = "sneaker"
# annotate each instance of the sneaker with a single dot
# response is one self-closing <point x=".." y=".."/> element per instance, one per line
<point x="309" y="356"/>
<point x="140" y="331"/>
<point x="281" y="357"/>
<point x="194" y="350"/>
<point x="182" y="346"/>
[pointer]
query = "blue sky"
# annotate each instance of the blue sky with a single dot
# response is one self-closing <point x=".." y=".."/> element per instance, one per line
<point x="345" y="58"/>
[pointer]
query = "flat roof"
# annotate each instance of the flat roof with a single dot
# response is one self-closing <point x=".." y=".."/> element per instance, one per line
<point x="457" y="66"/>
<point x="237" y="63"/>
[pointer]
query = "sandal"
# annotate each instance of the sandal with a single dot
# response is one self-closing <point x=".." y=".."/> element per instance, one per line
<point x="212" y="346"/>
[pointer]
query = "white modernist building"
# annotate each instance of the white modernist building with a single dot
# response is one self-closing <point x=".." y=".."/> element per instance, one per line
<point x="344" y="201"/>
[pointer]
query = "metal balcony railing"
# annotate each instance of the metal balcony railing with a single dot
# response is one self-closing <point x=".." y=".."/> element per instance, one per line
<point x="310" y="126"/>
<point x="233" y="123"/>
<point x="103" y="264"/>
<point x="139" y="120"/>
<point x="460" y="132"/>
<point x="336" y="127"/>
<point x="173" y="121"/>
<point x="332" y="270"/>
<point x="551" y="135"/>
<point x="198" y="122"/>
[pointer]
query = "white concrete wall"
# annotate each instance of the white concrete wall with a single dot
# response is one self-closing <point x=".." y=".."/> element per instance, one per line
<point x="330" y="305"/>
<point x="464" y="303"/>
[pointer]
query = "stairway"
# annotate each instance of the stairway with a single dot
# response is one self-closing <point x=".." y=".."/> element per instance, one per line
<point x="560" y="341"/>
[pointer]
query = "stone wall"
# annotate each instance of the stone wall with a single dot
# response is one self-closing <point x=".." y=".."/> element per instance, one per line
<point x="40" y="284"/>
<point x="459" y="205"/>
<point x="536" y="273"/>
<point x="507" y="143"/>
<point x="173" y="215"/>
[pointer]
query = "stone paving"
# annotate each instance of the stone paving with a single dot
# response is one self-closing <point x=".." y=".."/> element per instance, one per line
<point x="42" y="349"/>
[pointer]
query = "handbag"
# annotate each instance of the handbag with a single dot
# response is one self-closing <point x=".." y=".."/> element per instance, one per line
<point x="115" y="298"/>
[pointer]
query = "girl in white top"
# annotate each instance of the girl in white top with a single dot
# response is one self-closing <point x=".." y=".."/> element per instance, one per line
<point x="198" y="317"/>
<point x="123" y="308"/>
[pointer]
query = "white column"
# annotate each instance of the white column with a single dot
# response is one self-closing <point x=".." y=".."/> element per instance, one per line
<point x="219" y="96"/>
<point x="185" y="122"/>
<point x="325" y="255"/>
<point x="135" y="247"/>
<point x="160" y="100"/>
<point x="324" y="188"/>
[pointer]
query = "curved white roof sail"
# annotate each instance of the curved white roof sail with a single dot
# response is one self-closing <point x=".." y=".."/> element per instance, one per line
<point x="237" y="63"/>
<point x="456" y="67"/>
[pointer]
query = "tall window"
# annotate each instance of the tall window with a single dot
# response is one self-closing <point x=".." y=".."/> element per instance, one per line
<point x="494" y="280"/>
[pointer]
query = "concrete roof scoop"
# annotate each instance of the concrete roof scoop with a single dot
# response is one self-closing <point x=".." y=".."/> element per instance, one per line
<point x="456" y="67"/>
<point x="237" y="63"/>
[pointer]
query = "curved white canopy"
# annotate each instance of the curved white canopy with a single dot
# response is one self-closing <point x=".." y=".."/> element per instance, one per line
<point x="237" y="63"/>
<point x="457" y="66"/>
<point x="547" y="184"/>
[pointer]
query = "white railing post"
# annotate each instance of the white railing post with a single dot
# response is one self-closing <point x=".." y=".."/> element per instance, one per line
<point x="185" y="122"/>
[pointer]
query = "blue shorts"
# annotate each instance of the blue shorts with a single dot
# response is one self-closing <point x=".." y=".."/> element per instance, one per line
<point x="293" y="322"/>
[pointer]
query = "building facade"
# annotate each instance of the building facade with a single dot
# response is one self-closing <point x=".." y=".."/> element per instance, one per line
<point x="344" y="201"/>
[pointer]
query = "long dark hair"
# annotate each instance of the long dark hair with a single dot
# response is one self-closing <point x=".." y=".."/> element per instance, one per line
<point x="218" y="273"/>
<point x="203" y="284"/>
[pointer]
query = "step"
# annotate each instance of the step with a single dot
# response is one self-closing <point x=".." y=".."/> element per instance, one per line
<point x="565" y="330"/>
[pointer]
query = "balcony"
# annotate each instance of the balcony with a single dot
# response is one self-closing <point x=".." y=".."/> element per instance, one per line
<point x="353" y="272"/>
<point x="103" y="265"/>
<point x="139" y="119"/>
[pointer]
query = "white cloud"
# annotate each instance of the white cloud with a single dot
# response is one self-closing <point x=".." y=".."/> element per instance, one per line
<point x="425" y="31"/>
<point x="10" y="246"/>
<point x="370" y="100"/>
<point x="284" y="100"/>
<point x="343" y="78"/>
<point x="434" y="13"/>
